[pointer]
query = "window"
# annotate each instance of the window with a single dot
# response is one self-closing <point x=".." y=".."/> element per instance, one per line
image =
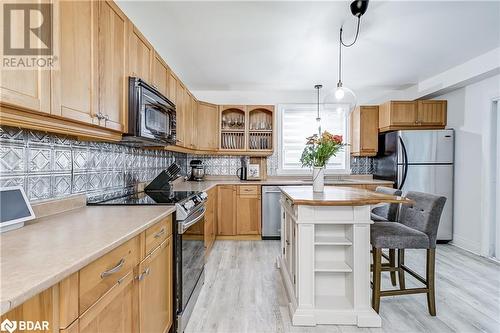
<point x="296" y="122"/>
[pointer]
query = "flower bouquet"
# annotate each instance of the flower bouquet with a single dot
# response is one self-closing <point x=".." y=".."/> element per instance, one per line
<point x="318" y="150"/>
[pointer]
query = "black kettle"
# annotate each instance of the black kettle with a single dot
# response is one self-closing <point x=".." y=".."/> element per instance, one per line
<point x="242" y="173"/>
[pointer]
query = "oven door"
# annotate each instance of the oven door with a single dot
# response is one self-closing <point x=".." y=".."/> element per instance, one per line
<point x="192" y="261"/>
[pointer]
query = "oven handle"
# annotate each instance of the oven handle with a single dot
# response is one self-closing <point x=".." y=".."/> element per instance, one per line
<point x="183" y="226"/>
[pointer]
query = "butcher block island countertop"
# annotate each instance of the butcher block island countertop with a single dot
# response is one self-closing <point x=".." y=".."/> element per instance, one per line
<point x="337" y="196"/>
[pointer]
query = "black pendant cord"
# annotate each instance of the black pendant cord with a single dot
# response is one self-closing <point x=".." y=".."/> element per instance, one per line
<point x="346" y="45"/>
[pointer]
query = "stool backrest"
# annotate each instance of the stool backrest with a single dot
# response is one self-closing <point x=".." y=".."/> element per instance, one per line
<point x="387" y="211"/>
<point x="424" y="214"/>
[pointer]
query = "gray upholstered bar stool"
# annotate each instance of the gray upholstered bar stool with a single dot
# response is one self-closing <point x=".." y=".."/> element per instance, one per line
<point x="417" y="229"/>
<point x="387" y="212"/>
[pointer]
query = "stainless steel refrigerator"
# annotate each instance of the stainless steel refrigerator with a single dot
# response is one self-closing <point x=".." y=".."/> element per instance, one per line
<point x="420" y="161"/>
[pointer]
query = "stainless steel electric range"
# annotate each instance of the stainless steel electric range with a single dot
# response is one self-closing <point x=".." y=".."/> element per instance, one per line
<point x="189" y="247"/>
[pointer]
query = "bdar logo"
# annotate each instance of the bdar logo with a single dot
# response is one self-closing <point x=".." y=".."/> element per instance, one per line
<point x="8" y="326"/>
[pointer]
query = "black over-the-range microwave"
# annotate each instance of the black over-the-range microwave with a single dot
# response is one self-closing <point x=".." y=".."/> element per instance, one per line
<point x="151" y="116"/>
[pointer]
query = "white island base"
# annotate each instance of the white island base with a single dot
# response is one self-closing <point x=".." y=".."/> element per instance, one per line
<point x="325" y="264"/>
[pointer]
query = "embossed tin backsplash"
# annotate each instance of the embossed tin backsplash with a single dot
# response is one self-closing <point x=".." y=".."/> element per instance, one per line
<point x="52" y="166"/>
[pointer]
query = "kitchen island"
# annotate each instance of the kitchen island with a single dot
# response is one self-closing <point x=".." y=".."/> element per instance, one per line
<point x="325" y="257"/>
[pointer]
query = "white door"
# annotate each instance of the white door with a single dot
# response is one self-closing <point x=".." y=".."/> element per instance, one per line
<point x="496" y="177"/>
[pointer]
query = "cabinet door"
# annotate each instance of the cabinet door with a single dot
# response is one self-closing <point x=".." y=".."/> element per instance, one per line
<point x="155" y="290"/>
<point x="432" y="113"/>
<point x="194" y="121"/>
<point x="187" y="119"/>
<point x="172" y="87"/>
<point x="226" y="211"/>
<point x="248" y="215"/>
<point x="74" y="91"/>
<point x="364" y="131"/>
<point x="211" y="219"/>
<point x="41" y="307"/>
<point x="180" y="113"/>
<point x="114" y="312"/>
<point x="207" y="126"/>
<point x="160" y="74"/>
<point x="403" y="113"/>
<point x="24" y="88"/>
<point x="140" y="55"/>
<point x="112" y="65"/>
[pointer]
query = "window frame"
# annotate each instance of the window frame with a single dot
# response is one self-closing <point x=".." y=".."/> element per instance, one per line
<point x="304" y="171"/>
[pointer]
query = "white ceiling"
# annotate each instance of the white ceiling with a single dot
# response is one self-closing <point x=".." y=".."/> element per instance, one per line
<point x="288" y="46"/>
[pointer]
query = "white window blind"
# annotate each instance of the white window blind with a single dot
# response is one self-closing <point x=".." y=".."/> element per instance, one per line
<point x="297" y="122"/>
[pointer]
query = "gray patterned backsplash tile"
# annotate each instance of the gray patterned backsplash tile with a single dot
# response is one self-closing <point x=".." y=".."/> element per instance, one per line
<point x="228" y="165"/>
<point x="54" y="166"/>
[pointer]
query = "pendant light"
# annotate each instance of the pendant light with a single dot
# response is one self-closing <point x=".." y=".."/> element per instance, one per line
<point x="318" y="118"/>
<point x="342" y="95"/>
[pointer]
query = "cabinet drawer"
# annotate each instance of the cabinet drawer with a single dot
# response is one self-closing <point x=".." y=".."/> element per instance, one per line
<point x="156" y="234"/>
<point x="248" y="190"/>
<point x="98" y="277"/>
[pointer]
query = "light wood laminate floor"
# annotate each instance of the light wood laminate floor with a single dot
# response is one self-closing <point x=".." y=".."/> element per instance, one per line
<point x="243" y="292"/>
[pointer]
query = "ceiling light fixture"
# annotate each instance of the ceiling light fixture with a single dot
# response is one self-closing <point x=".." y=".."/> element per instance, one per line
<point x="342" y="94"/>
<point x="318" y="118"/>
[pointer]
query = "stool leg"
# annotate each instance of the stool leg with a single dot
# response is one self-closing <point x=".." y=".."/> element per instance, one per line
<point x="392" y="263"/>
<point x="377" y="274"/>
<point x="430" y="274"/>
<point x="401" y="272"/>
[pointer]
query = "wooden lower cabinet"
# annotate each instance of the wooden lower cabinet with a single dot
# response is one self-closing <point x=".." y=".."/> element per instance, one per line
<point x="114" y="312"/>
<point x="41" y="308"/>
<point x="239" y="210"/>
<point x="248" y="208"/>
<point x="210" y="220"/>
<point x="226" y="210"/>
<point x="155" y="290"/>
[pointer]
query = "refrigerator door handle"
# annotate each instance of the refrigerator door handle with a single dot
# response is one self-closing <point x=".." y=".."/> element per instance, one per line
<point x="405" y="161"/>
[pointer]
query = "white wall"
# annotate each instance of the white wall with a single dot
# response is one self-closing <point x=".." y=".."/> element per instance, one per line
<point x="469" y="113"/>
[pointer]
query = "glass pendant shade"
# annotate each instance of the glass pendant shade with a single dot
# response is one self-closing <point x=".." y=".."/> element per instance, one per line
<point x="341" y="96"/>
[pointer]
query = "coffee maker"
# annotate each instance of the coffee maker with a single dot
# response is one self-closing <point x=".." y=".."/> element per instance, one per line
<point x="242" y="172"/>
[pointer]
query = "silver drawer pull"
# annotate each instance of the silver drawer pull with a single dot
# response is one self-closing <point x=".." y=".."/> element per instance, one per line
<point x="159" y="233"/>
<point x="114" y="269"/>
<point x="143" y="274"/>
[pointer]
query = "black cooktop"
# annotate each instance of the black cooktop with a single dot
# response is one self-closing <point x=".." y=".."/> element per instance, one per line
<point x="146" y="198"/>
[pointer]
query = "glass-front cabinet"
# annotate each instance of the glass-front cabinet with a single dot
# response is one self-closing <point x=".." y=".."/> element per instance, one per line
<point x="247" y="128"/>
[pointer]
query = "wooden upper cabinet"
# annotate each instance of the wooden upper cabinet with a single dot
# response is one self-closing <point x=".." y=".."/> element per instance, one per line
<point x="432" y="112"/>
<point x="155" y="289"/>
<point x="140" y="54"/>
<point x="74" y="82"/>
<point x="206" y="126"/>
<point x="398" y="115"/>
<point x="172" y="87"/>
<point x="160" y="74"/>
<point x="189" y="128"/>
<point x="26" y="88"/>
<point x="226" y="210"/>
<point x="180" y="103"/>
<point x="112" y="66"/>
<point x="364" y="131"/>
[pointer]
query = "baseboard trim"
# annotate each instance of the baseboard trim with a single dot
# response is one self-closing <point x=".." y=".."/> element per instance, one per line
<point x="240" y="237"/>
<point x="467" y="245"/>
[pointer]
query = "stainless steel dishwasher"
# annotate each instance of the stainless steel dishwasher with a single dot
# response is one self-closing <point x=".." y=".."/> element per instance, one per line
<point x="271" y="210"/>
